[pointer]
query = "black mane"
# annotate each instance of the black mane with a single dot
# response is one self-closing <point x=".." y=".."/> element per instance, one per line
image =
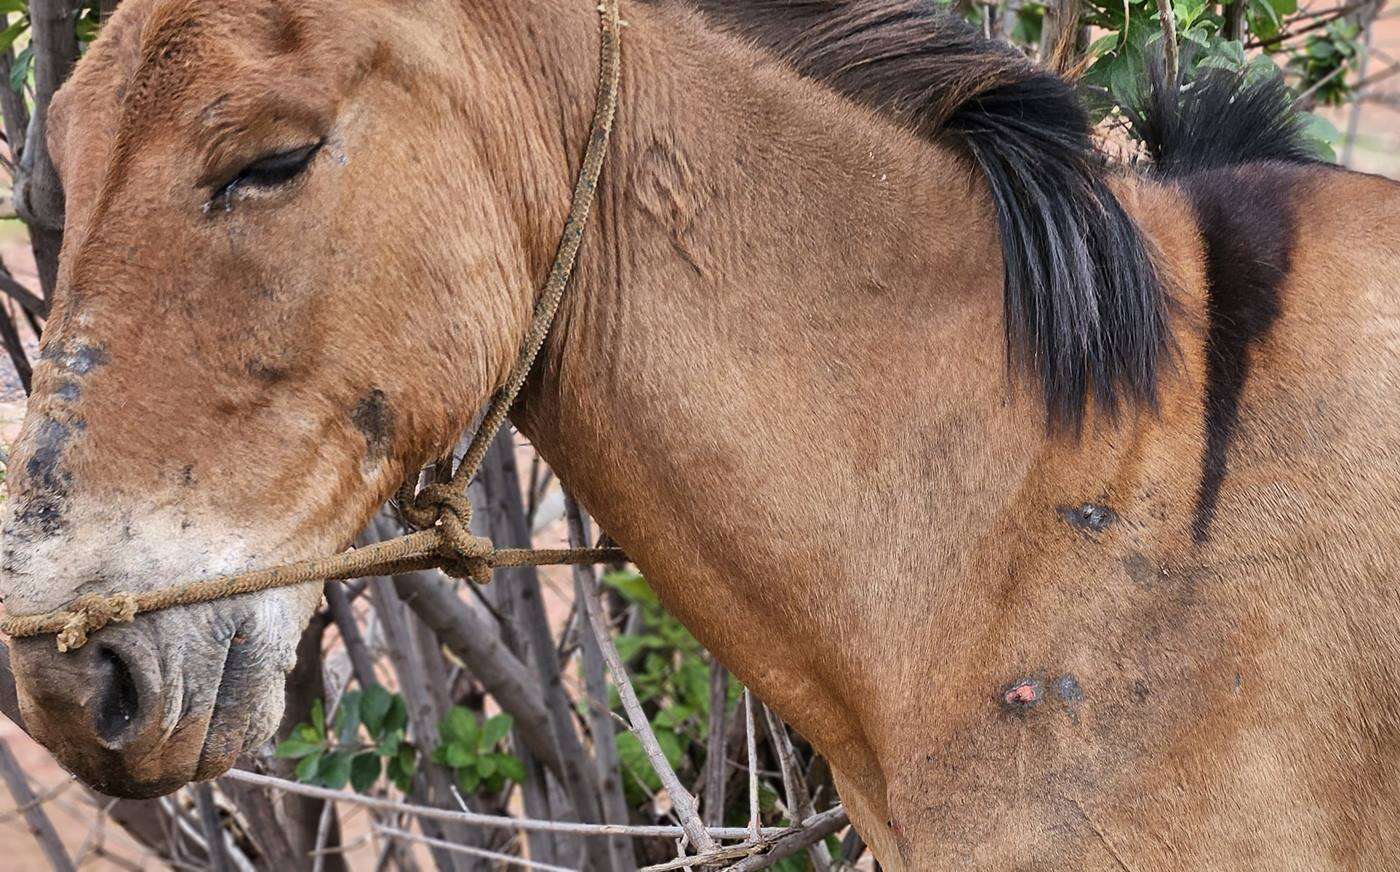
<point x="1220" y="119"/>
<point x="1085" y="310"/>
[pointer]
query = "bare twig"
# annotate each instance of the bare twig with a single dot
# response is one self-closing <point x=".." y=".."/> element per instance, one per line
<point x="214" y="828"/>
<point x="501" y="479"/>
<point x="753" y="764"/>
<point x="267" y="831"/>
<point x="813" y="830"/>
<point x="361" y="661"/>
<point x="38" y="195"/>
<point x="1320" y="19"/>
<point x="1306" y="99"/>
<point x="434" y="783"/>
<point x="475" y="639"/>
<point x="392" y="833"/>
<point x="1169" y="46"/>
<point x="600" y="716"/>
<point x="763" y="852"/>
<point x="9" y="335"/>
<point x="486" y="820"/>
<point x="22" y="295"/>
<point x="798" y="797"/>
<point x="716" y="746"/>
<point x="323" y="831"/>
<point x="34" y="815"/>
<point x="681" y="800"/>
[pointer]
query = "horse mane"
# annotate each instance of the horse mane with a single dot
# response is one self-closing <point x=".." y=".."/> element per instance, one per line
<point x="1084" y="305"/>
<point x="1221" y="119"/>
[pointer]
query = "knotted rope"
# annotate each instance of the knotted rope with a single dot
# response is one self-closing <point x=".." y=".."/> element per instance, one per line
<point x="442" y="510"/>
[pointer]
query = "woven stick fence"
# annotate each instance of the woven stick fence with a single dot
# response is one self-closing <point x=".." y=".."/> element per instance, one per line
<point x="421" y="634"/>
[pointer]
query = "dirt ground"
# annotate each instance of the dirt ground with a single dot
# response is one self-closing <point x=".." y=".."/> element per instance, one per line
<point x="1376" y="149"/>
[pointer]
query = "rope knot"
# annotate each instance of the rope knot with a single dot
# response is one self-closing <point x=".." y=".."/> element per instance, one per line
<point x="465" y="556"/>
<point x="92" y="615"/>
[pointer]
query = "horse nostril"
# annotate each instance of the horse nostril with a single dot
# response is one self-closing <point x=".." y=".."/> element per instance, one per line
<point x="118" y="701"/>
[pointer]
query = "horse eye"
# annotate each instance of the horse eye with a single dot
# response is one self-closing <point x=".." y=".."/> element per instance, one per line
<point x="270" y="171"/>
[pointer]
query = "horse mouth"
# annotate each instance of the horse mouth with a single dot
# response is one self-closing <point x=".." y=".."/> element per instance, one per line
<point x="237" y="703"/>
<point x="125" y="737"/>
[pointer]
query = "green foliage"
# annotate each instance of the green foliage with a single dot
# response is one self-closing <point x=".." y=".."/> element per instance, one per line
<point x="671" y="674"/>
<point x="1134" y="35"/>
<point x="472" y="750"/>
<point x="16" y="36"/>
<point x="1325" y="59"/>
<point x="1319" y="56"/>
<point x="365" y="742"/>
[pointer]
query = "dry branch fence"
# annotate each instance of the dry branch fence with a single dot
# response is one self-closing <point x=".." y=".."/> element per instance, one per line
<point x="534" y="646"/>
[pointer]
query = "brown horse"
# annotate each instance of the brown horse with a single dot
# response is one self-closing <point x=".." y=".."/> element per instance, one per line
<point x="1055" y="505"/>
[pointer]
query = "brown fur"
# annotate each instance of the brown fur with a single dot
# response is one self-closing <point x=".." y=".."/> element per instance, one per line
<point x="777" y="382"/>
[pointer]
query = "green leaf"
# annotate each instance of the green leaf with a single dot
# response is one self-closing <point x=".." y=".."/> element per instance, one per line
<point x="468" y="780"/>
<point x="511" y="767"/>
<point x="402" y="767"/>
<point x="347" y="717"/>
<point x="459" y="725"/>
<point x="334" y="772"/>
<point x="1321" y="136"/>
<point x="306" y="769"/>
<point x="486" y="766"/>
<point x="397" y="718"/>
<point x="318" y="718"/>
<point x="389" y="746"/>
<point x="631" y="584"/>
<point x="1187" y="11"/>
<point x="634" y="761"/>
<point x="672" y="746"/>
<point x="364" y="771"/>
<point x="374" y="707"/>
<point x="494" y="731"/>
<point x="295" y="748"/>
<point x="11" y="33"/>
<point x="19" y="73"/>
<point x="457" y="756"/>
<point x="10" y="7"/>
<point x="1103" y="45"/>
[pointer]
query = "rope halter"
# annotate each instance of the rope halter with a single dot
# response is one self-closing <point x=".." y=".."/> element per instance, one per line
<point x="441" y="511"/>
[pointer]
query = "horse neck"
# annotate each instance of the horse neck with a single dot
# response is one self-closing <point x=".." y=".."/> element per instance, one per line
<point x="779" y="381"/>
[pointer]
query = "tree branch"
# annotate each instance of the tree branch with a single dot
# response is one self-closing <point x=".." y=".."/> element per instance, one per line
<point x="600" y="718"/>
<point x="681" y="800"/>
<point x="39" y="823"/>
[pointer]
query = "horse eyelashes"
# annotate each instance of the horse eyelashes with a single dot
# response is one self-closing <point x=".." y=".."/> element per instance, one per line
<point x="268" y="172"/>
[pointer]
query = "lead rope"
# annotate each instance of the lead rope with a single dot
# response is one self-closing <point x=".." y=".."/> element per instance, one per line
<point x="442" y="510"/>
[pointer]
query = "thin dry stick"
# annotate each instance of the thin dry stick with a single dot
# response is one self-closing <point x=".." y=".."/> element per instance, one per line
<point x="499" y="822"/>
<point x="765" y="852"/>
<point x="213" y="828"/>
<point x="40" y="798"/>
<point x="813" y="830"/>
<point x="34" y="816"/>
<point x="681" y="800"/>
<point x="716" y="746"/>
<point x="392" y="833"/>
<point x="799" y="798"/>
<point x="1169" y="57"/>
<point x="595" y="692"/>
<point x="718" y="855"/>
<point x="323" y="832"/>
<point x="753" y="765"/>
